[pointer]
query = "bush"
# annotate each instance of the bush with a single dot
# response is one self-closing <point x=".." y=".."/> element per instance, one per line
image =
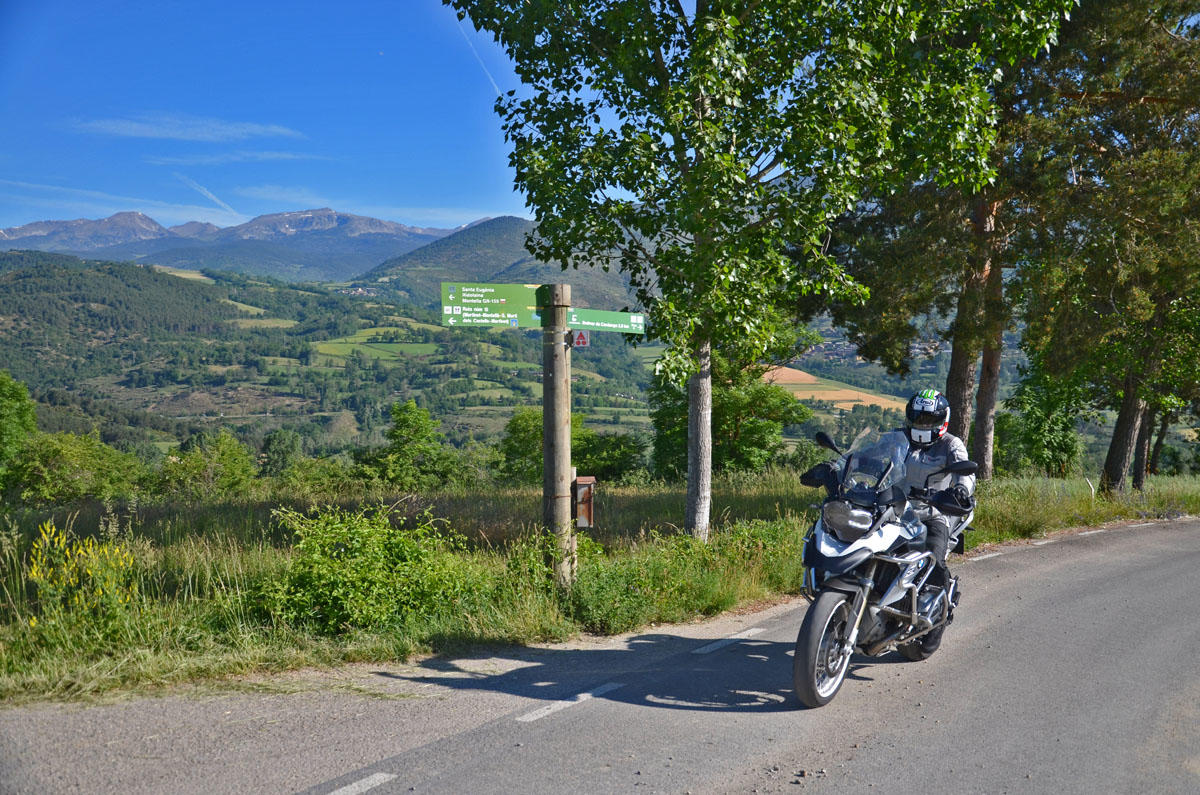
<point x="672" y="578"/>
<point x="80" y="582"/>
<point x="356" y="570"/>
<point x="63" y="468"/>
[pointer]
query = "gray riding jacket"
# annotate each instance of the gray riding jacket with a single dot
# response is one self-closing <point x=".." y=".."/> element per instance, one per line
<point x="921" y="463"/>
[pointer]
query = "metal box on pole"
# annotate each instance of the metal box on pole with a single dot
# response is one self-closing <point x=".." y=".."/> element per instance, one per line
<point x="583" y="505"/>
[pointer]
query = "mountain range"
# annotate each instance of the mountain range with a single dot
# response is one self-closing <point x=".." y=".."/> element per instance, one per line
<point x="308" y="245"/>
<point x="399" y="262"/>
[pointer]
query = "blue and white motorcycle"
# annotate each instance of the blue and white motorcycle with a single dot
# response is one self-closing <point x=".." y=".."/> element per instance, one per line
<point x="868" y="572"/>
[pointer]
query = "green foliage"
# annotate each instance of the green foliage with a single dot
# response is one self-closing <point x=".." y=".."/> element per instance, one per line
<point x="17" y="419"/>
<point x="358" y="570"/>
<point x="521" y="446"/>
<point x="415" y="458"/>
<point x="62" y="468"/>
<point x="748" y="417"/>
<point x="675" y="577"/>
<point x="317" y="479"/>
<point x="282" y="448"/>
<point x="210" y="467"/>
<point x="208" y="590"/>
<point x="608" y="457"/>
<point x="1043" y="428"/>
<point x="696" y="133"/>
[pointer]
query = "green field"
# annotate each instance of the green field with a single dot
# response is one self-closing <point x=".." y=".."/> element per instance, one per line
<point x="262" y="322"/>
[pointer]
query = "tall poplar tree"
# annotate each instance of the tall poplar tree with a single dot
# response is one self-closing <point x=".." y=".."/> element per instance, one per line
<point x="691" y="145"/>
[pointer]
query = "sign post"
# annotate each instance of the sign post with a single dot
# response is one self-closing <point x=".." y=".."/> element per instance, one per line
<point x="556" y="429"/>
<point x="547" y="307"/>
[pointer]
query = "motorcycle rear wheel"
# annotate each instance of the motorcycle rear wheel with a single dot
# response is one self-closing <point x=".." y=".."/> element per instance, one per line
<point x="822" y="649"/>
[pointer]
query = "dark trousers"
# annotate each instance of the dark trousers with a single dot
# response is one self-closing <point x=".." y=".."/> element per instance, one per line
<point x="937" y="537"/>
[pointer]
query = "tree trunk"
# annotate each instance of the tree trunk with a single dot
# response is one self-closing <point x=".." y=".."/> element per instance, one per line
<point x="699" y="474"/>
<point x="1158" y="443"/>
<point x="983" y="440"/>
<point x="1120" y="449"/>
<point x="960" y="381"/>
<point x="994" y="317"/>
<point x="969" y="325"/>
<point x="1141" y="452"/>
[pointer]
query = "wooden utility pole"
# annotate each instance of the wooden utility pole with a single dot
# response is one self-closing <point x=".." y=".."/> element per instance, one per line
<point x="556" y="429"/>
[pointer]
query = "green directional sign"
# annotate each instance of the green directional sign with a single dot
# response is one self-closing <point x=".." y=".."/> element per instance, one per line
<point x="490" y="305"/>
<point x="599" y="320"/>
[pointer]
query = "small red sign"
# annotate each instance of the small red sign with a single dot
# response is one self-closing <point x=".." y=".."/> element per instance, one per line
<point x="580" y="339"/>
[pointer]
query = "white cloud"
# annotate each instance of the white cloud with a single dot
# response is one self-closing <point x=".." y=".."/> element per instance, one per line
<point x="181" y="127"/>
<point x="205" y="192"/>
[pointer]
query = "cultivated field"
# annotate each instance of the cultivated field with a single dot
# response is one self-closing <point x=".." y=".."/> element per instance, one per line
<point x="808" y="387"/>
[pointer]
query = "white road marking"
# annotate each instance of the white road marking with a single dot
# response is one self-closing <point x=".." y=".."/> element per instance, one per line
<point x="550" y="709"/>
<point x="985" y="557"/>
<point x="1143" y="524"/>
<point x="720" y="644"/>
<point x="1092" y="532"/>
<point x="368" y="783"/>
<point x="1044" y="542"/>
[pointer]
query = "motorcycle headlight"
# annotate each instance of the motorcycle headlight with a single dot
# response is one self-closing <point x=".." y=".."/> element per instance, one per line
<point x="846" y="521"/>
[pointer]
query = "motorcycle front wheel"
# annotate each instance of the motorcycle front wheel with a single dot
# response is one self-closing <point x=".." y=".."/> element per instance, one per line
<point x="823" y="649"/>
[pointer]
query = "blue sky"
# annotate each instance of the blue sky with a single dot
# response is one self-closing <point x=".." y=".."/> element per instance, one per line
<point x="220" y="111"/>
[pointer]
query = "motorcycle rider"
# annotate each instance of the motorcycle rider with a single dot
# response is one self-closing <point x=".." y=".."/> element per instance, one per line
<point x="931" y="448"/>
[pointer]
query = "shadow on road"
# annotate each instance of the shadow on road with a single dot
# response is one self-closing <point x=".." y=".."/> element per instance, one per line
<point x="653" y="670"/>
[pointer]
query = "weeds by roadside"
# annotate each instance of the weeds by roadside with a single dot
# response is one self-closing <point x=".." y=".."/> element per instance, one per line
<point x="140" y="602"/>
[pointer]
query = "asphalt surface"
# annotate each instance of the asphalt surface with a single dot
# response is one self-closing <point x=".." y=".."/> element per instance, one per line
<point x="1073" y="665"/>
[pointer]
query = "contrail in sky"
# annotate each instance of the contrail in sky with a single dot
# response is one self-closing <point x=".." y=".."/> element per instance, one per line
<point x="205" y="192"/>
<point x="474" y="52"/>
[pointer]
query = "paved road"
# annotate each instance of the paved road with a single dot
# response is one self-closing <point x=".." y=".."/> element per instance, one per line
<point x="1073" y="666"/>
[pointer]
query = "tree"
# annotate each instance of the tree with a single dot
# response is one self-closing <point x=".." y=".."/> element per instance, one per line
<point x="208" y="467"/>
<point x="415" y="457"/>
<point x="281" y="448"/>
<point x="691" y="150"/>
<point x="18" y="419"/>
<point x="748" y="420"/>
<point x="606" y="456"/>
<point x="1113" y="299"/>
<point x="1065" y="119"/>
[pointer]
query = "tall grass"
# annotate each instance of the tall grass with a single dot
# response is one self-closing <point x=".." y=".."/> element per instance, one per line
<point x="208" y="586"/>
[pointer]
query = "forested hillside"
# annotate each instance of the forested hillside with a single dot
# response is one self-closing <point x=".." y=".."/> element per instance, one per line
<point x="146" y="355"/>
<point x="490" y="251"/>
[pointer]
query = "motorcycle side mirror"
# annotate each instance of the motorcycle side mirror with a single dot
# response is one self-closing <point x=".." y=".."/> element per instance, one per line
<point x="823" y="440"/>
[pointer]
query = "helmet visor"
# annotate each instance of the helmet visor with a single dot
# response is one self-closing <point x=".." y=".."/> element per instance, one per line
<point x="927" y="422"/>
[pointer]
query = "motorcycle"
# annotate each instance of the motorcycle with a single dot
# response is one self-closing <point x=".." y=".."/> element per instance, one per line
<point x="867" y="567"/>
